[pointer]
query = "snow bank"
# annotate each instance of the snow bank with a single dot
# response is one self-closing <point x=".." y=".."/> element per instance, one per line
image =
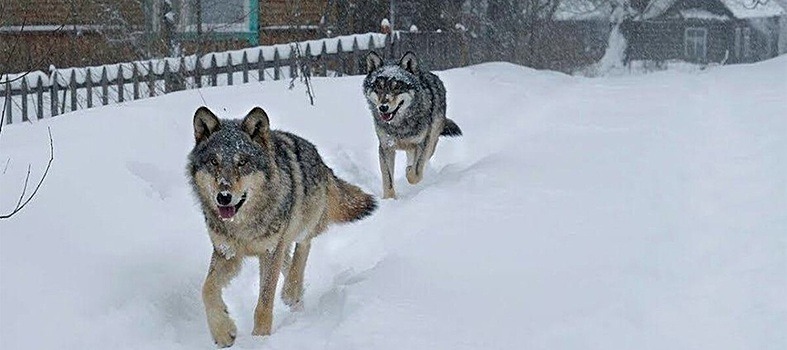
<point x="641" y="212"/>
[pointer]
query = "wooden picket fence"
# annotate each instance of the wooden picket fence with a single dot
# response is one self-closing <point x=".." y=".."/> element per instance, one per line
<point x="38" y="95"/>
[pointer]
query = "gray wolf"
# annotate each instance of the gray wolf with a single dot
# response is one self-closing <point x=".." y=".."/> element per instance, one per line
<point x="408" y="108"/>
<point x="262" y="191"/>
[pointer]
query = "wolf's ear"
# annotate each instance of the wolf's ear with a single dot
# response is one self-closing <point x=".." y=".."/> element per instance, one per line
<point x="409" y="62"/>
<point x="373" y="61"/>
<point x="257" y="126"/>
<point x="205" y="124"/>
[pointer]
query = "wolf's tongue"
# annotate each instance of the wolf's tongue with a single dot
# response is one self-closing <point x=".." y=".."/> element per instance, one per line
<point x="227" y="212"/>
<point x="386" y="116"/>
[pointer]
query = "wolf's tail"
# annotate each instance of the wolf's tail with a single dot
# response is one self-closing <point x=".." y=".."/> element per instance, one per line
<point x="348" y="203"/>
<point x="450" y="129"/>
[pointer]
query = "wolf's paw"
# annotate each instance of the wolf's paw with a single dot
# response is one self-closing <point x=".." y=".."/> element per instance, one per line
<point x="412" y="175"/>
<point x="223" y="330"/>
<point x="262" y="330"/>
<point x="295" y="306"/>
<point x="389" y="194"/>
<point x="292" y="298"/>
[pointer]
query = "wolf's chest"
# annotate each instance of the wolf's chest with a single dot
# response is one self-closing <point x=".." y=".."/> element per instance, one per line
<point x="402" y="142"/>
<point x="243" y="241"/>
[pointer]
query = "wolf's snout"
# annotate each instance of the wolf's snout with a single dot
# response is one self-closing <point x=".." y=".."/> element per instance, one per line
<point x="224" y="198"/>
<point x="383" y="108"/>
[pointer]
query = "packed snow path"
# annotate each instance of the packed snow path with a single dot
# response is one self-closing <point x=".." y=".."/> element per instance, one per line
<point x="642" y="212"/>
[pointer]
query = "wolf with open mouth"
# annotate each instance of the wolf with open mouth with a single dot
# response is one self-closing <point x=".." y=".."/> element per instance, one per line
<point x="261" y="192"/>
<point x="408" y="106"/>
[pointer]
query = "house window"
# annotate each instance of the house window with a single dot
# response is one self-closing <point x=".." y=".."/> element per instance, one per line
<point x="217" y="16"/>
<point x="696" y="41"/>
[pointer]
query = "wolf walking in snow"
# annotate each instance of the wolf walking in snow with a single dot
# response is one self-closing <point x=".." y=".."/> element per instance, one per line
<point x="261" y="191"/>
<point x="408" y="107"/>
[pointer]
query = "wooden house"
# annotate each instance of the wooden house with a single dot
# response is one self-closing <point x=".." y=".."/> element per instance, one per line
<point x="35" y="34"/>
<point x="704" y="31"/>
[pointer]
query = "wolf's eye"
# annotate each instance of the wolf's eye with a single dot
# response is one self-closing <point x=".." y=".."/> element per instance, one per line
<point x="242" y="162"/>
<point x="214" y="162"/>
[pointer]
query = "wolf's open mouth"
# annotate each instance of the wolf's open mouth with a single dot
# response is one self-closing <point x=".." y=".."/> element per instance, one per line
<point x="387" y="117"/>
<point x="228" y="211"/>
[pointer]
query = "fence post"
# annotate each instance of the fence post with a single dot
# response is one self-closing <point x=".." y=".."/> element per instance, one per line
<point x="213" y="70"/>
<point x="244" y="64"/>
<point x="295" y="50"/>
<point x="120" y="82"/>
<point x="198" y="70"/>
<point x="323" y="59"/>
<point x="23" y="89"/>
<point x="260" y="66"/>
<point x="167" y="77"/>
<point x="53" y="93"/>
<point x="104" y="86"/>
<point x="135" y="79"/>
<point x="389" y="42"/>
<point x="181" y="76"/>
<point x="369" y="49"/>
<point x="276" y="64"/>
<point x="151" y="80"/>
<point x="72" y="87"/>
<point x="8" y="101"/>
<point x="228" y="68"/>
<point x="341" y="57"/>
<point x="307" y="61"/>
<point x="40" y="97"/>
<point x="354" y="57"/>
<point x="89" y="87"/>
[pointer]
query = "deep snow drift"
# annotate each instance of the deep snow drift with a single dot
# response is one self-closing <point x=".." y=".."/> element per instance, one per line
<point x="642" y="212"/>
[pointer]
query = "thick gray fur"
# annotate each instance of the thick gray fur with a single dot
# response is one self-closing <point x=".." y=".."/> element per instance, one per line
<point x="262" y="192"/>
<point x="417" y="98"/>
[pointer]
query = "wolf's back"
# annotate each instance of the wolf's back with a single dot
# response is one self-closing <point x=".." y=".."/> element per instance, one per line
<point x="348" y="203"/>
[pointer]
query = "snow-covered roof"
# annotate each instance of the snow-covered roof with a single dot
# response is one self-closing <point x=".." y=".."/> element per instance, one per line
<point x="739" y="8"/>
<point x="754" y="8"/>
<point x="702" y="14"/>
<point x="582" y="10"/>
<point x="656" y="8"/>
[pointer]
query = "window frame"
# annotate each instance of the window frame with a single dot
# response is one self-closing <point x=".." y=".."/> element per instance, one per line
<point x="692" y="42"/>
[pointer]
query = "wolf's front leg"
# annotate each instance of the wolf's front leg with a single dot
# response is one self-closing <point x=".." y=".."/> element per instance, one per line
<point x="221" y="271"/>
<point x="421" y="154"/>
<point x="292" y="292"/>
<point x="415" y="164"/>
<point x="387" y="162"/>
<point x="270" y="268"/>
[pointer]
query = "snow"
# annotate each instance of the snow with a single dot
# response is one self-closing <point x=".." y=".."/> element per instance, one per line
<point x="702" y="14"/>
<point x="754" y="8"/>
<point x="583" y="10"/>
<point x="656" y="8"/>
<point x="614" y="55"/>
<point x="635" y="212"/>
<point x="741" y="9"/>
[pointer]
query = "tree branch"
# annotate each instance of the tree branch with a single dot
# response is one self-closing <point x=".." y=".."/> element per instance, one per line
<point x="23" y="202"/>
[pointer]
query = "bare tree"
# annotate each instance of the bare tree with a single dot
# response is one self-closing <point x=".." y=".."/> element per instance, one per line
<point x="24" y="197"/>
<point x="7" y="79"/>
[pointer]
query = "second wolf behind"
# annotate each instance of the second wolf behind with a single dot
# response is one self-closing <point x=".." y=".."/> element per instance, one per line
<point x="408" y="105"/>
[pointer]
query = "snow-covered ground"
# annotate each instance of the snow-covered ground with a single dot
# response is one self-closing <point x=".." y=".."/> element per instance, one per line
<point x="639" y="212"/>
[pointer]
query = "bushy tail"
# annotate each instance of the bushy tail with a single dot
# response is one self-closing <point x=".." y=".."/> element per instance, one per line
<point x="348" y="203"/>
<point x="450" y="129"/>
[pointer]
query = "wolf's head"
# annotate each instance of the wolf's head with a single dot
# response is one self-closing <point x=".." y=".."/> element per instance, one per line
<point x="391" y="89"/>
<point x="231" y="161"/>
